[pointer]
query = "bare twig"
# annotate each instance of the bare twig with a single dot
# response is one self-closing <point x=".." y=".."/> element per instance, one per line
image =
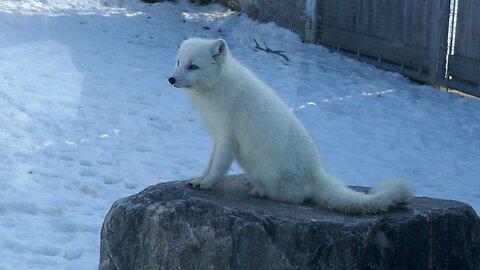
<point x="157" y="127"/>
<point x="268" y="50"/>
<point x="138" y="135"/>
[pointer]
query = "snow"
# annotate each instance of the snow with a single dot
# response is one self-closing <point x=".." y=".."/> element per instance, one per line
<point x="87" y="117"/>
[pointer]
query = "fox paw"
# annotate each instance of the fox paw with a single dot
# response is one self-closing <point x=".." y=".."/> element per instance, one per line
<point x="257" y="192"/>
<point x="199" y="183"/>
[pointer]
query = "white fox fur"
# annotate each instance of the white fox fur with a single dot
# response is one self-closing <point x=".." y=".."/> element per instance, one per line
<point x="250" y="123"/>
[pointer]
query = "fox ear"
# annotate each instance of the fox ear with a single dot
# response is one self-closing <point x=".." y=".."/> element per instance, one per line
<point x="218" y="49"/>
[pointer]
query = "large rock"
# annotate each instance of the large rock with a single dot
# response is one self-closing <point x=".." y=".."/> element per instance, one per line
<point x="171" y="226"/>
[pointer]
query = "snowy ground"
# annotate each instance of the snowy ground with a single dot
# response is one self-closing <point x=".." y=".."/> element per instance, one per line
<point x="87" y="117"/>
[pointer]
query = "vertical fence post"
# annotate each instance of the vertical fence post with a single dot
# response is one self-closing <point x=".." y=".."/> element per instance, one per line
<point x="311" y="22"/>
<point x="435" y="30"/>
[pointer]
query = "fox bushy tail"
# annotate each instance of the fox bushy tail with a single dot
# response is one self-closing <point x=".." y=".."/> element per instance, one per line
<point x="383" y="196"/>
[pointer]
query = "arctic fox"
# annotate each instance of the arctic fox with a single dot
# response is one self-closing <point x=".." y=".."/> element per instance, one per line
<point x="250" y="123"/>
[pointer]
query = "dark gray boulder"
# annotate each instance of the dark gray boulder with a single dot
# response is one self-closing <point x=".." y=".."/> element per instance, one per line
<point x="171" y="226"/>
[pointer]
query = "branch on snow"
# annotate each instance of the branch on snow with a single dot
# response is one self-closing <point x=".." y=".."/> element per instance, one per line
<point x="268" y="50"/>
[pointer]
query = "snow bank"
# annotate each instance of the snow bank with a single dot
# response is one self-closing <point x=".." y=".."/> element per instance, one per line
<point x="87" y="117"/>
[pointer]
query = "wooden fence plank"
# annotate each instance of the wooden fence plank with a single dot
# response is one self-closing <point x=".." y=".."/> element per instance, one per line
<point x="391" y="31"/>
<point x="464" y="65"/>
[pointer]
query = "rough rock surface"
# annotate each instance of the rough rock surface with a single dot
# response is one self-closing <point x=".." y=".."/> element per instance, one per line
<point x="171" y="226"/>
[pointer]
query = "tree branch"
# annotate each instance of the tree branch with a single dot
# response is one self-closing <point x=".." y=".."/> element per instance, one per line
<point x="268" y="50"/>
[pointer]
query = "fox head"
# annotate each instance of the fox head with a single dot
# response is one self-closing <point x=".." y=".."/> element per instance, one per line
<point x="199" y="63"/>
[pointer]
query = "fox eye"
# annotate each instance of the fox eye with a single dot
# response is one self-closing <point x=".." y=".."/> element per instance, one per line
<point x="178" y="63"/>
<point x="192" y="67"/>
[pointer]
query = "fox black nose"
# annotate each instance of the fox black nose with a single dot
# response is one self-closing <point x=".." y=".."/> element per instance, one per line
<point x="171" y="80"/>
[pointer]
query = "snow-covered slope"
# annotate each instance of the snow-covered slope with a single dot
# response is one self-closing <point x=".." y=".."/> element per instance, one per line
<point x="87" y="117"/>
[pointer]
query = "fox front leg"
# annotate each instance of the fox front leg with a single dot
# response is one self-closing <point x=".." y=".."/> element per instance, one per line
<point x="207" y="169"/>
<point x="210" y="161"/>
<point x="220" y="160"/>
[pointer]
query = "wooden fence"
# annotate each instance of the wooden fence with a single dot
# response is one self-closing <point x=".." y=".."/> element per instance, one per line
<point x="430" y="41"/>
<point x="464" y="55"/>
